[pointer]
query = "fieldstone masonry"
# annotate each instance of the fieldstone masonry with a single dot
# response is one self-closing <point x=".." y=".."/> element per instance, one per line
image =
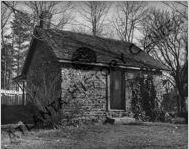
<point x="85" y="94"/>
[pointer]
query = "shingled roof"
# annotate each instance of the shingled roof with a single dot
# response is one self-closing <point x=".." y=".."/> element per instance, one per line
<point x="106" y="49"/>
<point x="64" y="43"/>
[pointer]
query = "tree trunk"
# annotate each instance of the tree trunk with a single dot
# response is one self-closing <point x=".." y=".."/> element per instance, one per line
<point x="181" y="98"/>
<point x="178" y="105"/>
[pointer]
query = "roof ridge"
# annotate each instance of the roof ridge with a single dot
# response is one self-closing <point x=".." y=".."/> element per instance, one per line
<point x="85" y="34"/>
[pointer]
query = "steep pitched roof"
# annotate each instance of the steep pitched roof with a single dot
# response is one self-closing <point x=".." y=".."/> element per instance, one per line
<point x="64" y="43"/>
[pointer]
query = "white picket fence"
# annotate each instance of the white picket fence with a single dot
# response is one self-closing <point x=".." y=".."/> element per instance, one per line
<point x="11" y="97"/>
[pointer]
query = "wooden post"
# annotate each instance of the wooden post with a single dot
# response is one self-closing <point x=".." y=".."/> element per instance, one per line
<point x="23" y="94"/>
<point x="107" y="90"/>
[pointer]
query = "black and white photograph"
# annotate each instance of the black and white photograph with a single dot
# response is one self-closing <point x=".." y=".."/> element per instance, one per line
<point x="94" y="74"/>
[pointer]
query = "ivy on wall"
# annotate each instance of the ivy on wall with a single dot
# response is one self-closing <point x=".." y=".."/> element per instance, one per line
<point x="143" y="101"/>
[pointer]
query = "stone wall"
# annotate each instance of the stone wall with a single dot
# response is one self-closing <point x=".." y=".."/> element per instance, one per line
<point x="128" y="91"/>
<point x="84" y="93"/>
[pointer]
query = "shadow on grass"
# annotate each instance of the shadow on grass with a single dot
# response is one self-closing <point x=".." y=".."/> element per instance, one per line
<point x="11" y="114"/>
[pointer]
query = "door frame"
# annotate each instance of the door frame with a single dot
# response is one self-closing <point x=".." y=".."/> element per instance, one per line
<point x="110" y="89"/>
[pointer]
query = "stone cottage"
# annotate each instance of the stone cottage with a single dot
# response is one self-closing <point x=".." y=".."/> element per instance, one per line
<point x="90" y="74"/>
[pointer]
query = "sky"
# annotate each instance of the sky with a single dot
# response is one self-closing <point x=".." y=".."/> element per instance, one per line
<point x="78" y="19"/>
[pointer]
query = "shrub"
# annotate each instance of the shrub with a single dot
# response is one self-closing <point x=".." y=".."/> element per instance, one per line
<point x="143" y="100"/>
<point x="159" y="115"/>
<point x="183" y="115"/>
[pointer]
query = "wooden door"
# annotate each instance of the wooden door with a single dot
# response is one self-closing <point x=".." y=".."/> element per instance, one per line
<point x="117" y="92"/>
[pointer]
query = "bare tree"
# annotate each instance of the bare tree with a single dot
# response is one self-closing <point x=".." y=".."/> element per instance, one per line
<point x="128" y="18"/>
<point x="94" y="13"/>
<point x="166" y="39"/>
<point x="59" y="9"/>
<point x="5" y="16"/>
<point x="180" y="7"/>
<point x="6" y="49"/>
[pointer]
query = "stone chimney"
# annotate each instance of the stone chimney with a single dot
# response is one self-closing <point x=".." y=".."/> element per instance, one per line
<point x="45" y="20"/>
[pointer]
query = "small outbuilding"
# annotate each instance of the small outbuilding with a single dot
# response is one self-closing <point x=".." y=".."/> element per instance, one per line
<point x="91" y="74"/>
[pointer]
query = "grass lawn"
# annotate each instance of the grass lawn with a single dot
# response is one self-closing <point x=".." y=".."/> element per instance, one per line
<point x="103" y="137"/>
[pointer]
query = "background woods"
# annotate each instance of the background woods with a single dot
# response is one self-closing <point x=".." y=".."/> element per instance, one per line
<point x="165" y="38"/>
<point x="163" y="33"/>
<point x="128" y="19"/>
<point x="94" y="14"/>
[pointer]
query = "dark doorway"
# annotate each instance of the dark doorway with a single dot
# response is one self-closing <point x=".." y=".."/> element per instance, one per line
<point x="117" y="92"/>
